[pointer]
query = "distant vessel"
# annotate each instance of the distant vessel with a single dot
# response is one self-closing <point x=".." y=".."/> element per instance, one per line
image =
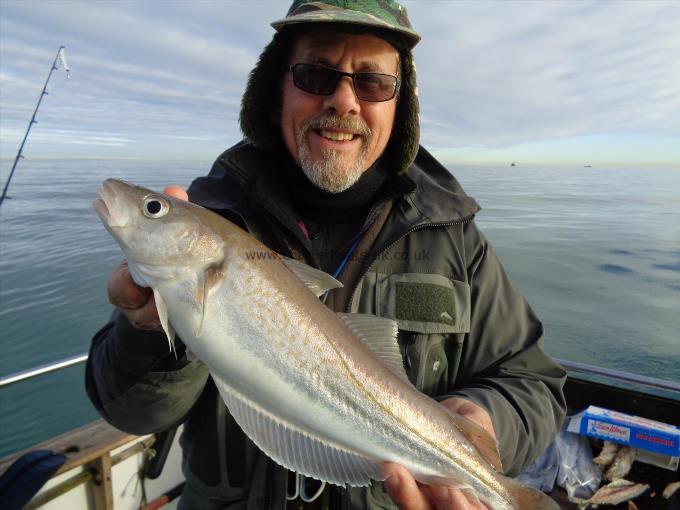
<point x="512" y="164"/>
<point x="587" y="166"/>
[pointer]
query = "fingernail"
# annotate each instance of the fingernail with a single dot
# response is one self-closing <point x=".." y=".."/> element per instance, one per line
<point x="392" y="483"/>
<point x="440" y="494"/>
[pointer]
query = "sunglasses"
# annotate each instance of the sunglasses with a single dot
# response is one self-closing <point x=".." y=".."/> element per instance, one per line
<point x="322" y="81"/>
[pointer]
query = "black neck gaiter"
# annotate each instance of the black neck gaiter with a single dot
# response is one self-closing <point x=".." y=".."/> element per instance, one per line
<point x="349" y="206"/>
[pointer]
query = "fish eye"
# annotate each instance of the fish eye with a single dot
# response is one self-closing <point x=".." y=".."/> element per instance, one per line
<point x="155" y="207"/>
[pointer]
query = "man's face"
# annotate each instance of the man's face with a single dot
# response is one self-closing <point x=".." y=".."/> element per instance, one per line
<point x="336" y="138"/>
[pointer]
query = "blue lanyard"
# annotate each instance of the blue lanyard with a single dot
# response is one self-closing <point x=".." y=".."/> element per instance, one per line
<point x="349" y="254"/>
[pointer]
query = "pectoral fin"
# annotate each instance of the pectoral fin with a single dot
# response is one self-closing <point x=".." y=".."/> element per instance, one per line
<point x="212" y="278"/>
<point x="163" y="316"/>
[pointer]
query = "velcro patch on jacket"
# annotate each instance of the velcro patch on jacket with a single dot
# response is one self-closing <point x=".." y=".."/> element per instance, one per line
<point x="425" y="302"/>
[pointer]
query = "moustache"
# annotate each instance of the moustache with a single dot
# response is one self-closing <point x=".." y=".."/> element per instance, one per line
<point x="326" y="121"/>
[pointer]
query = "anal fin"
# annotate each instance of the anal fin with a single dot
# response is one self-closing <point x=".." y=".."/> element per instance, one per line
<point x="296" y="449"/>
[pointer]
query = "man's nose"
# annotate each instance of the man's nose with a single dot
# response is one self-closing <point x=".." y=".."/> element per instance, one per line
<point x="343" y="101"/>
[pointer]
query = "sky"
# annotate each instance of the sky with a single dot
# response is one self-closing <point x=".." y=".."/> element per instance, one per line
<point x="533" y="82"/>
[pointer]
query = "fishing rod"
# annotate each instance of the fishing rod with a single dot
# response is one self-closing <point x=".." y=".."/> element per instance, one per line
<point x="61" y="57"/>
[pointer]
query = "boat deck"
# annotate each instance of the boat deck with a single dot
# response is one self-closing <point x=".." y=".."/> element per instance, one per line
<point x="581" y="393"/>
<point x="104" y="462"/>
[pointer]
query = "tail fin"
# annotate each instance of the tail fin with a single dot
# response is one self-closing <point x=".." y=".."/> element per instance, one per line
<point x="526" y="498"/>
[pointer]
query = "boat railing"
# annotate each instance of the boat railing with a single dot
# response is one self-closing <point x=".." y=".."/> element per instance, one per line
<point x="25" y="375"/>
<point x="619" y="375"/>
<point x="570" y="366"/>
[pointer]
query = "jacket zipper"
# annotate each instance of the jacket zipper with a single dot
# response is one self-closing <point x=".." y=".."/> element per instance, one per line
<point x="395" y="241"/>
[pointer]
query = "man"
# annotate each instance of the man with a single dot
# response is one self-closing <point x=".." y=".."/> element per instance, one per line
<point x="331" y="173"/>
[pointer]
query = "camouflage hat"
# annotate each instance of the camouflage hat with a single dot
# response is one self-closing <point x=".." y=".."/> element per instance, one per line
<point x="384" y="14"/>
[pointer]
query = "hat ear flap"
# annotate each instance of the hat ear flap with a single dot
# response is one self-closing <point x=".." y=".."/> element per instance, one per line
<point x="405" y="139"/>
<point x="260" y="115"/>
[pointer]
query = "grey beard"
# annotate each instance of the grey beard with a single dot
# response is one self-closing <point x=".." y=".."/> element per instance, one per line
<point x="332" y="174"/>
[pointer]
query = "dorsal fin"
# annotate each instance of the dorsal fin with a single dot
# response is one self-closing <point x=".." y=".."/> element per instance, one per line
<point x="380" y="336"/>
<point x="317" y="281"/>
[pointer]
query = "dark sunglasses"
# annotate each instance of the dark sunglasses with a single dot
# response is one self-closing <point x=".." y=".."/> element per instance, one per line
<point x="322" y="81"/>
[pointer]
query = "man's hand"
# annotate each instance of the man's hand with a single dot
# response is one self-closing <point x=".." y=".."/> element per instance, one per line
<point x="410" y="495"/>
<point x="135" y="302"/>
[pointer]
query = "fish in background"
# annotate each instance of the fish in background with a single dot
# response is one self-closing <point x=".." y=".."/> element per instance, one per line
<point x="616" y="492"/>
<point x="616" y="460"/>
<point x="607" y="454"/>
<point x="620" y="466"/>
<point x="670" y="489"/>
<point x="321" y="393"/>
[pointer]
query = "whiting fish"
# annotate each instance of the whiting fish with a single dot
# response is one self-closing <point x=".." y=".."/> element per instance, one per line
<point x="613" y="493"/>
<point x="321" y="393"/>
<point x="607" y="454"/>
<point x="620" y="466"/>
<point x="670" y="489"/>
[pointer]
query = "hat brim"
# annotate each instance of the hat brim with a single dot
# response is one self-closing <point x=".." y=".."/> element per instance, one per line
<point x="345" y="16"/>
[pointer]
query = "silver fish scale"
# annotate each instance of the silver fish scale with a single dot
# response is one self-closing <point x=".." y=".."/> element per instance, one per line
<point x="327" y="384"/>
<point x="279" y="357"/>
<point x="283" y="362"/>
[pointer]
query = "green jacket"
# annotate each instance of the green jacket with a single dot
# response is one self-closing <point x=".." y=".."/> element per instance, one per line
<point x="464" y="330"/>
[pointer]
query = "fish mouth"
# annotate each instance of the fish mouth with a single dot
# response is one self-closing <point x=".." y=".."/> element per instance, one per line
<point x="103" y="211"/>
<point x="109" y="205"/>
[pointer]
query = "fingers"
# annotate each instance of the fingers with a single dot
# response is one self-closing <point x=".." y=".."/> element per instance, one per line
<point x="145" y="317"/>
<point x="445" y="498"/>
<point x="122" y="290"/>
<point x="407" y="494"/>
<point x="176" y="191"/>
<point x="135" y="302"/>
<point x="471" y="411"/>
<point x="403" y="489"/>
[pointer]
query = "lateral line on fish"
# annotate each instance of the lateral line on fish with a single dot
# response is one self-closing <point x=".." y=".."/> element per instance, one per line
<point x="440" y="447"/>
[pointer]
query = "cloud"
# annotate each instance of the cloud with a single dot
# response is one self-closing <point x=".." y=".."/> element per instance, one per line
<point x="491" y="74"/>
<point x="502" y="73"/>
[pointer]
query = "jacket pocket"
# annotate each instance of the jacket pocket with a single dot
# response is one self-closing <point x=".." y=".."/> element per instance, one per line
<point x="432" y="312"/>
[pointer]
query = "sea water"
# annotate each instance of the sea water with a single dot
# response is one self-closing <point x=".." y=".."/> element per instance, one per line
<point x="595" y="250"/>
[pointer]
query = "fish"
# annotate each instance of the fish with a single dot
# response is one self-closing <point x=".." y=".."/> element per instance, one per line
<point x="324" y="394"/>
<point x="670" y="489"/>
<point x="621" y="464"/>
<point x="607" y="454"/>
<point x="616" y="492"/>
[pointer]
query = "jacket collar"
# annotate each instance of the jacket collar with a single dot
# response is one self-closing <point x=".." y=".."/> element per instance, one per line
<point x="438" y="196"/>
<point x="244" y="175"/>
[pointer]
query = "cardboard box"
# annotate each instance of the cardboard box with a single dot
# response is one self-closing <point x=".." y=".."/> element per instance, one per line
<point x="641" y="433"/>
